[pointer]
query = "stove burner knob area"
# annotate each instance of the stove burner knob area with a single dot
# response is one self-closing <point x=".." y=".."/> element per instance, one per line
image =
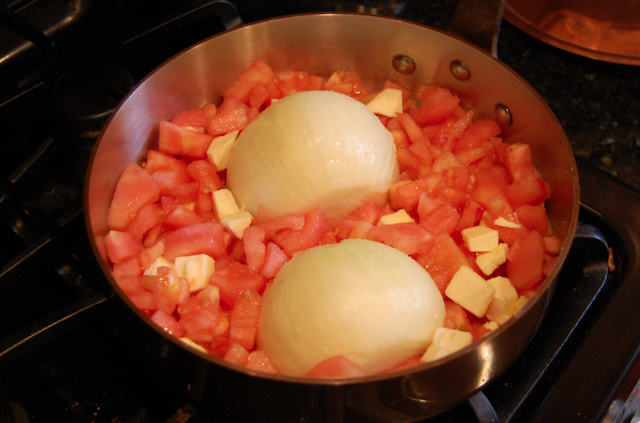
<point x="85" y="95"/>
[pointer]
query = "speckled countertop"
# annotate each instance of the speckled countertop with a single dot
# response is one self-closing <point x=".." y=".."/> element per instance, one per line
<point x="597" y="103"/>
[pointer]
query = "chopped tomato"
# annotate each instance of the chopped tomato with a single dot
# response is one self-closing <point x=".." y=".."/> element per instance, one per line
<point x="121" y="245"/>
<point x="236" y="279"/>
<point x="255" y="249"/>
<point x="257" y="74"/>
<point x="443" y="260"/>
<point x="454" y="174"/>
<point x="191" y="118"/>
<point x="243" y="324"/>
<point x="259" y="360"/>
<point x="525" y="259"/>
<point x="167" y="322"/>
<point x="274" y="258"/>
<point x="174" y="139"/>
<point x="232" y="116"/>
<point x="369" y="213"/>
<point x="410" y="238"/>
<point x="437" y="105"/>
<point x="201" y="238"/>
<point x="206" y="175"/>
<point x="477" y="134"/>
<point x="181" y="217"/>
<point x="134" y="190"/>
<point x="236" y="354"/>
<point x="292" y="241"/>
<point x="517" y="159"/>
<point x="336" y="366"/>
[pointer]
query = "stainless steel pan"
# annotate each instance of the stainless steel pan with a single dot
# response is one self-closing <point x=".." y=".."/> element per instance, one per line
<point x="377" y="48"/>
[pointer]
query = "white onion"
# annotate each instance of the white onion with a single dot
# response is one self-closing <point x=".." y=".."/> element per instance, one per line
<point x="359" y="298"/>
<point x="309" y="149"/>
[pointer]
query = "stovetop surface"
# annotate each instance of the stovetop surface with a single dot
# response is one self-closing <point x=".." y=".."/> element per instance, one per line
<point x="594" y="101"/>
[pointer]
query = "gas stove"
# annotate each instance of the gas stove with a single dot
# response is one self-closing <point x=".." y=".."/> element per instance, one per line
<point x="65" y="67"/>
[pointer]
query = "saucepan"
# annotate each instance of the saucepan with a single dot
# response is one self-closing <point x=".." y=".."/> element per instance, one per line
<point x="378" y="48"/>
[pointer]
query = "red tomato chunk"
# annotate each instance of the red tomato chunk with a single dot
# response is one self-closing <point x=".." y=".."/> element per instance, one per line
<point x="455" y="174"/>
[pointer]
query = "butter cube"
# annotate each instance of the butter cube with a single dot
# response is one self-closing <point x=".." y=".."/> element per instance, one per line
<point x="401" y="216"/>
<point x="197" y="269"/>
<point x="488" y="262"/>
<point x="522" y="300"/>
<point x="501" y="221"/>
<point x="193" y="344"/>
<point x="445" y="341"/>
<point x="224" y="203"/>
<point x="503" y="304"/>
<point x="219" y="149"/>
<point x="388" y="103"/>
<point x="490" y="325"/>
<point x="237" y="222"/>
<point x="480" y="238"/>
<point x="470" y="291"/>
<point x="160" y="262"/>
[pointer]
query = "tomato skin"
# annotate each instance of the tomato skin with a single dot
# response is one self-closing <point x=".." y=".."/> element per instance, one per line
<point x="201" y="238"/>
<point x="134" y="190"/>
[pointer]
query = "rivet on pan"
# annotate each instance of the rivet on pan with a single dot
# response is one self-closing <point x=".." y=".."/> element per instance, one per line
<point x="404" y="64"/>
<point x="503" y="115"/>
<point x="460" y="70"/>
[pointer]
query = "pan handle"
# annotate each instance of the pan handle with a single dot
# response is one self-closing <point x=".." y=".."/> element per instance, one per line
<point x="478" y="22"/>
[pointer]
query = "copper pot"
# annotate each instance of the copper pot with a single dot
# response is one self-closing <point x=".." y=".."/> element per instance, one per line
<point x="377" y="48"/>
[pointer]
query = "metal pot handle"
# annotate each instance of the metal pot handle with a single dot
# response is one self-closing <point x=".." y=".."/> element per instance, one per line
<point x="478" y="22"/>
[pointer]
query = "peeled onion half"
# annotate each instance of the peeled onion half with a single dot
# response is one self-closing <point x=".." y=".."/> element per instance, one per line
<point x="358" y="298"/>
<point x="309" y="149"/>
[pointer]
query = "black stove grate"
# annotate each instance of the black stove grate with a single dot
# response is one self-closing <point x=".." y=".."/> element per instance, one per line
<point x="61" y="355"/>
